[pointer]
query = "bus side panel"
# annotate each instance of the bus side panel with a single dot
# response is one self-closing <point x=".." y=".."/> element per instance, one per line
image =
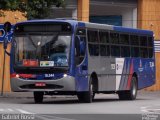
<point x="145" y="69"/>
<point x="125" y="75"/>
<point x="105" y="69"/>
<point x="81" y="77"/>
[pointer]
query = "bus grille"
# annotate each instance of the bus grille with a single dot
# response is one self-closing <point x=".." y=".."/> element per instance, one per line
<point x="47" y="86"/>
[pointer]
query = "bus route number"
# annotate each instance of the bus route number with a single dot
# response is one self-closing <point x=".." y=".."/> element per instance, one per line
<point x="151" y="64"/>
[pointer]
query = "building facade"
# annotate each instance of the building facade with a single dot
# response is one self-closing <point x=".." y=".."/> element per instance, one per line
<point x="143" y="14"/>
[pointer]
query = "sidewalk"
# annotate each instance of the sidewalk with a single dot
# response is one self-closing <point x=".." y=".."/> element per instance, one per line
<point x="17" y="95"/>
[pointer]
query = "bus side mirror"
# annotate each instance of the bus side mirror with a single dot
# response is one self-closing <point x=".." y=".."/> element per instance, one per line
<point x="7" y="27"/>
<point x="77" y="46"/>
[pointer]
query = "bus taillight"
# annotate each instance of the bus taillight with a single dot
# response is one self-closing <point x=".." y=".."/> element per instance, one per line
<point x="14" y="75"/>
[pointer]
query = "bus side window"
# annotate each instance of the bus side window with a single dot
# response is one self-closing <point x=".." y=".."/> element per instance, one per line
<point x="124" y="39"/>
<point x="150" y="52"/>
<point x="134" y="40"/>
<point x="104" y="50"/>
<point x="125" y="51"/>
<point x="143" y="47"/>
<point x="93" y="43"/>
<point x="125" y="48"/>
<point x="150" y="41"/>
<point x="104" y="43"/>
<point x="143" y="41"/>
<point x="80" y="48"/>
<point x="135" y="52"/>
<point x="150" y="47"/>
<point x="104" y="37"/>
<point x="93" y="36"/>
<point x="77" y="46"/>
<point x="115" y="51"/>
<point x="114" y="38"/>
<point x="143" y="52"/>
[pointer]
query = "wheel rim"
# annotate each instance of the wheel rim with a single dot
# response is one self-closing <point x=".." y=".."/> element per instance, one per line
<point x="134" y="89"/>
<point x="91" y="89"/>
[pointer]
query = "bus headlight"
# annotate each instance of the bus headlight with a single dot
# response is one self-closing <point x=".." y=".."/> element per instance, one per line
<point x="65" y="75"/>
<point x="17" y="76"/>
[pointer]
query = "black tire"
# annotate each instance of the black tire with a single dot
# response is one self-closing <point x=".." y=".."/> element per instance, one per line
<point x="38" y="97"/>
<point x="132" y="93"/>
<point x="87" y="97"/>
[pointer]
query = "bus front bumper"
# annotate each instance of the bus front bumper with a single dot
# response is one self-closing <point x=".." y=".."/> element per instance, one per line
<point x="63" y="84"/>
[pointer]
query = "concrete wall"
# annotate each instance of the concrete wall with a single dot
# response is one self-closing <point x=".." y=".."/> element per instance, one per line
<point x="127" y="10"/>
<point x="148" y="18"/>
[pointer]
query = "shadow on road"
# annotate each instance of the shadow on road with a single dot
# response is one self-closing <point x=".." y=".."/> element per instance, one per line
<point x="75" y="101"/>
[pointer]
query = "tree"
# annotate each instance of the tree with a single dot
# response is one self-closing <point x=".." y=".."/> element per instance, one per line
<point x="33" y="9"/>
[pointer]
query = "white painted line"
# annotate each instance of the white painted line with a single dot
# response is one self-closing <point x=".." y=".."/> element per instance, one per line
<point x="1" y="109"/>
<point x="144" y="107"/>
<point x="10" y="110"/>
<point x="51" y="117"/>
<point x="23" y="111"/>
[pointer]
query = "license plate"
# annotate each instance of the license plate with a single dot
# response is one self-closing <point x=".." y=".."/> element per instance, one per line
<point x="40" y="84"/>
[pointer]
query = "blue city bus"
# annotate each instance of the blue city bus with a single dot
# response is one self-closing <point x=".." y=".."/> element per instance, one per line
<point x="68" y="57"/>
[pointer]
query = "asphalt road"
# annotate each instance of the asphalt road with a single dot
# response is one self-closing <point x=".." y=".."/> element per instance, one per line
<point x="104" y="107"/>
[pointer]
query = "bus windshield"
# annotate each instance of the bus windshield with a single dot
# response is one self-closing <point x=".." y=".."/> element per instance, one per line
<point x="42" y="50"/>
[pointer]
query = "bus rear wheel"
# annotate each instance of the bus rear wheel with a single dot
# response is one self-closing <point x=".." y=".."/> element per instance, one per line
<point x="38" y="97"/>
<point x="87" y="97"/>
<point x="132" y="93"/>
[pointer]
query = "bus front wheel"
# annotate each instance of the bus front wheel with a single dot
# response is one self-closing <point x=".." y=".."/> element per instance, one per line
<point x="88" y="96"/>
<point x="130" y="94"/>
<point x="38" y="97"/>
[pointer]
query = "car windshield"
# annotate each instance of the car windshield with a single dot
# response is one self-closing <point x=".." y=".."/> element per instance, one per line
<point x="42" y="50"/>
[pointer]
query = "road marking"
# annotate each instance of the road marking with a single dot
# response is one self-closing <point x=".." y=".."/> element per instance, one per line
<point x="1" y="109"/>
<point x="52" y="117"/>
<point x="23" y="111"/>
<point x="10" y="110"/>
<point x="150" y="109"/>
